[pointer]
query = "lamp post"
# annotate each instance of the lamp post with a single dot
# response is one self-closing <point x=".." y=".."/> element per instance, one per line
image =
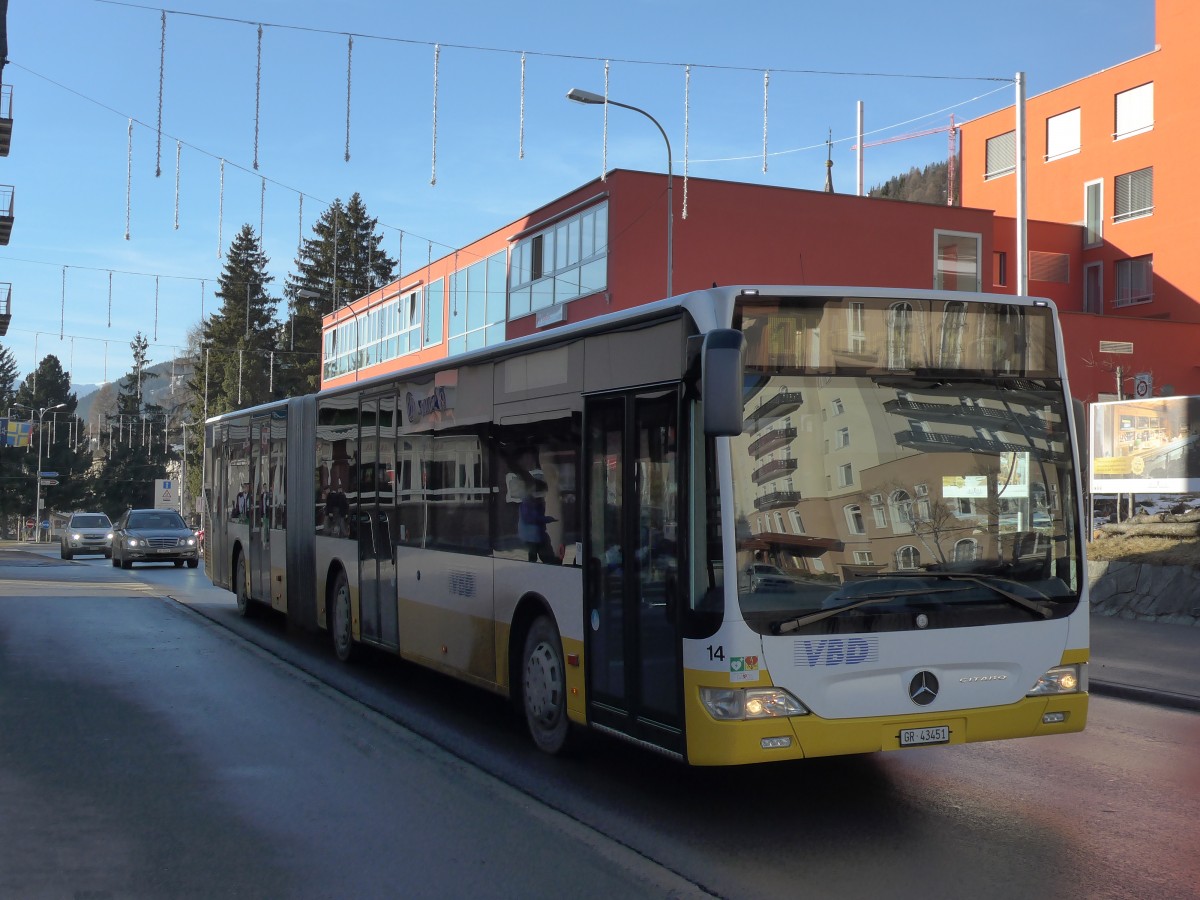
<point x="37" y="504"/>
<point x="305" y="294"/>
<point x="581" y="96"/>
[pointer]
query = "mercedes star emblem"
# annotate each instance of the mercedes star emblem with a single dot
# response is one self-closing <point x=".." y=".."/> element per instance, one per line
<point x="923" y="689"/>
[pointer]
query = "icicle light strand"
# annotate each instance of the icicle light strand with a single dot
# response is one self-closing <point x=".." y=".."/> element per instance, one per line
<point x="687" y="88"/>
<point x="128" y="177"/>
<point x="221" y="213"/>
<point x="437" y="52"/>
<point x="300" y="228"/>
<point x="62" y="323"/>
<point x="400" y="257"/>
<point x="766" y="82"/>
<point x="109" y="306"/>
<point x="604" y="151"/>
<point x="156" y="307"/>
<point x="178" y="154"/>
<point x="262" y="209"/>
<point x="521" y="143"/>
<point x="349" y="62"/>
<point x="201" y="300"/>
<point x="257" y="95"/>
<point x="162" y="67"/>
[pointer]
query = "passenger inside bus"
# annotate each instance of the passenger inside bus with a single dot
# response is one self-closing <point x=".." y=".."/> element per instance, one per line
<point x="532" y="521"/>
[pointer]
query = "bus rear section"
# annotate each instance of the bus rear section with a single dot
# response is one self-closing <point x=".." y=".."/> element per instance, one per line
<point x="902" y="563"/>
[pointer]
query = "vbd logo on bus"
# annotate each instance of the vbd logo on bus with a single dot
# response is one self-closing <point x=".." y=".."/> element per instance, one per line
<point x="837" y="651"/>
<point x="419" y="409"/>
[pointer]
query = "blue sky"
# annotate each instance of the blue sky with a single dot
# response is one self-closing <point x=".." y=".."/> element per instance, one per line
<point x="80" y="69"/>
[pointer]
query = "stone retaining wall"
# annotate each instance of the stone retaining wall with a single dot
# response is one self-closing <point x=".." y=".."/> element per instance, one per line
<point x="1137" y="591"/>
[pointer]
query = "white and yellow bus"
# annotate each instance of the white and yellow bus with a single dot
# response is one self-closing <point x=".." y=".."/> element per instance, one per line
<point x="740" y="525"/>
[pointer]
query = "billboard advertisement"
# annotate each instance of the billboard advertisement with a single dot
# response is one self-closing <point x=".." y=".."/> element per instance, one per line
<point x="1149" y="445"/>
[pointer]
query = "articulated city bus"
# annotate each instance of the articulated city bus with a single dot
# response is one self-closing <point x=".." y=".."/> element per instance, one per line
<point x="740" y="525"/>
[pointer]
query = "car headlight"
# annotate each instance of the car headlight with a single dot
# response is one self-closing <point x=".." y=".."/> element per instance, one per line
<point x="132" y="542"/>
<point x="1060" y="680"/>
<point x="76" y="536"/>
<point x="108" y="536"/>
<point x="191" y="542"/>
<point x="735" y="704"/>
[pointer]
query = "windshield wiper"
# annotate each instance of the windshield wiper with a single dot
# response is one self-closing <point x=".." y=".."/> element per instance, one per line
<point x="882" y="596"/>
<point x="982" y="580"/>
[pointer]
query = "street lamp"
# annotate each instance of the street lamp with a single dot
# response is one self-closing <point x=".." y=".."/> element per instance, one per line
<point x="301" y="293"/>
<point x="581" y="96"/>
<point x="37" y="504"/>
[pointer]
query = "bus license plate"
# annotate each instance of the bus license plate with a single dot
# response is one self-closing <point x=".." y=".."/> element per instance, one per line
<point x="915" y="737"/>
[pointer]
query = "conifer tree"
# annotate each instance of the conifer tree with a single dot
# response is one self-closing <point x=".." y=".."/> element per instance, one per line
<point x="342" y="261"/>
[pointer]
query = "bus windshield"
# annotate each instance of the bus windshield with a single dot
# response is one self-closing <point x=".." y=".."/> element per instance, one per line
<point x="904" y="464"/>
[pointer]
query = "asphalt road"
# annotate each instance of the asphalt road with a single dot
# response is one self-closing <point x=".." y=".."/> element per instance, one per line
<point x="167" y="748"/>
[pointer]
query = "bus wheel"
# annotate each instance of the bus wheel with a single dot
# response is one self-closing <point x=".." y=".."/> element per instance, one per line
<point x="340" y="621"/>
<point x="544" y="686"/>
<point x="241" y="588"/>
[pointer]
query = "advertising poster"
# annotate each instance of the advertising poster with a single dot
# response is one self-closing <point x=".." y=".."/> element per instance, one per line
<point x="1146" y="446"/>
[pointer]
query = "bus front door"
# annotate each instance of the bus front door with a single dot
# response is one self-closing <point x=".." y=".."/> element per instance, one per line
<point x="376" y="512"/>
<point x="633" y="645"/>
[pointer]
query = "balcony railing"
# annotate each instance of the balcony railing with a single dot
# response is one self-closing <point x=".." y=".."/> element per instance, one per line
<point x="776" y="499"/>
<point x="773" y="439"/>
<point x="774" y="469"/>
<point x="5" y="306"/>
<point x="780" y="405"/>
<point x="960" y="412"/>
<point x="961" y="443"/>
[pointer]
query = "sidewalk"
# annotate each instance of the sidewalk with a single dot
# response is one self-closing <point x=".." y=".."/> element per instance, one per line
<point x="1148" y="662"/>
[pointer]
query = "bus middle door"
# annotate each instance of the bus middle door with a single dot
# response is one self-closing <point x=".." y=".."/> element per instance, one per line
<point x="633" y="468"/>
<point x="375" y="516"/>
<point x="259" y="559"/>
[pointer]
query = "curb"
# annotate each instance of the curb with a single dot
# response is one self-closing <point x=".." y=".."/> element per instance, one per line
<point x="1152" y="696"/>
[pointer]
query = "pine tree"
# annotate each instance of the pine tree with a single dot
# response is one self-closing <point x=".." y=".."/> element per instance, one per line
<point x="240" y="338"/>
<point x="344" y="260"/>
<point x="135" y="444"/>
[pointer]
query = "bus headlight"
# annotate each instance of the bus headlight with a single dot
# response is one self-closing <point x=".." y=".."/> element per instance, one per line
<point x="735" y="704"/>
<point x="1059" y="680"/>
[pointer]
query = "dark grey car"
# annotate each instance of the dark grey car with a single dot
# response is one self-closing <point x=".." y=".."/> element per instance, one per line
<point x="154" y="535"/>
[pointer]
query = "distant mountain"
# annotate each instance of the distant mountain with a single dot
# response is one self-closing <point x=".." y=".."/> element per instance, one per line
<point x="162" y="390"/>
<point x="926" y="185"/>
<point x="82" y="390"/>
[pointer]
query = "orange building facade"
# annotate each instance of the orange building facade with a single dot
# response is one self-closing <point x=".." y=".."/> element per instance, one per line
<point x="1111" y="154"/>
<point x="1110" y="205"/>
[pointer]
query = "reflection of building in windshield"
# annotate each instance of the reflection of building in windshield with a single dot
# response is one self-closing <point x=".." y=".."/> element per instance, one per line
<point x="870" y="466"/>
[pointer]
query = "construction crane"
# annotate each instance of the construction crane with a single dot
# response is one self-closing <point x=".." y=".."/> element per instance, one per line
<point x="951" y="159"/>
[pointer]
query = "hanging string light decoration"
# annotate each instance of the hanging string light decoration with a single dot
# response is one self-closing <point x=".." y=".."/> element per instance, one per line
<point x="687" y="88"/>
<point x="178" y="153"/>
<point x="221" y="213"/>
<point x="63" y="311"/>
<point x="128" y="176"/>
<point x="766" y="82"/>
<point x="257" y="94"/>
<point x="156" y="307"/>
<point x="604" y="151"/>
<point x="300" y="228"/>
<point x="202" y="300"/>
<point x="349" y="61"/>
<point x="437" y="52"/>
<point x="162" y="59"/>
<point x="400" y="256"/>
<point x="521" y="142"/>
<point x="262" y="208"/>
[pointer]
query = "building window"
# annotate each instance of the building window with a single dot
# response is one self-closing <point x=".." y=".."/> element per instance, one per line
<point x="1052" y="267"/>
<point x="856" y="328"/>
<point x="966" y="550"/>
<point x="1133" y="195"/>
<point x="863" y="558"/>
<point x="854" y="519"/>
<point x="477" y="300"/>
<point x="779" y="524"/>
<point x="954" y="326"/>
<point x="797" y="522"/>
<point x="1135" y="278"/>
<point x="1001" y="155"/>
<point x="999" y="268"/>
<point x="1062" y="134"/>
<point x="838" y="407"/>
<point x="1093" y="213"/>
<point x="956" y="261"/>
<point x="908" y="558"/>
<point x="1135" y="111"/>
<point x="899" y="333"/>
<point x="1093" y="287"/>
<point x="842" y="438"/>
<point x="566" y="260"/>
<point x="902" y="511"/>
<point x="435" y="299"/>
<point x="845" y="475"/>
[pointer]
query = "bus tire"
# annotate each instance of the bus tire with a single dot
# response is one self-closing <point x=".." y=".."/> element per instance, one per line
<point x="241" y="588"/>
<point x="341" y="621"/>
<point x="544" y="687"/>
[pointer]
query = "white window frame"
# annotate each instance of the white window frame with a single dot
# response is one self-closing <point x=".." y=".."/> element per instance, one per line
<point x="845" y="475"/>
<point x="908" y="558"/>
<point x="1133" y="195"/>
<point x="1133" y="111"/>
<point x="939" y="272"/>
<point x="1062" y="135"/>
<point x="1093" y="212"/>
<point x="854" y="519"/>
<point x="1000" y="155"/>
<point x="863" y="558"/>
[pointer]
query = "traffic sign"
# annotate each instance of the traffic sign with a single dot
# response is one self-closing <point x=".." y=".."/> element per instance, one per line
<point x="29" y="523"/>
<point x="47" y="474"/>
<point x="47" y="482"/>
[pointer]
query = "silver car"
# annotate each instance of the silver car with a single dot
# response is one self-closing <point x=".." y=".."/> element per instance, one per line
<point x="154" y="535"/>
<point x="87" y="533"/>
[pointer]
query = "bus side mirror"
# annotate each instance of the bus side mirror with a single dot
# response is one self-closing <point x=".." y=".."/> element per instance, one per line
<point x="722" y="359"/>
